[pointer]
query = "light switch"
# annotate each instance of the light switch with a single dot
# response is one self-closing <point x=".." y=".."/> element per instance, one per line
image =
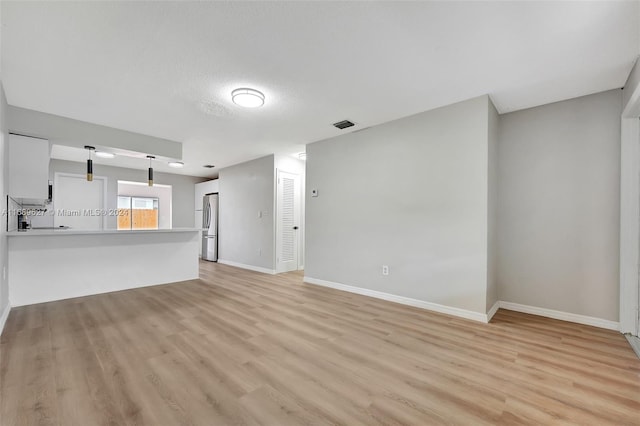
<point x="259" y="214"/>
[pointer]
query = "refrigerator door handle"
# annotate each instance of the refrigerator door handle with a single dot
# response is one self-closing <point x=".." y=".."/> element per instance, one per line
<point x="209" y="224"/>
<point x="207" y="217"/>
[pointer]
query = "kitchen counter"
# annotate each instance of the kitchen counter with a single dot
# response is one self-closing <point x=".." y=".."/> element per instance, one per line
<point x="41" y="232"/>
<point x="55" y="264"/>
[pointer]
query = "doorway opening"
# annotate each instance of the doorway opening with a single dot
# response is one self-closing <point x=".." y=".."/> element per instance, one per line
<point x="141" y="206"/>
<point x="78" y="202"/>
<point x="137" y="212"/>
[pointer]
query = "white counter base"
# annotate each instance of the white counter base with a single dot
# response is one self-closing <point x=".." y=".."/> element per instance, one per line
<point x="46" y="267"/>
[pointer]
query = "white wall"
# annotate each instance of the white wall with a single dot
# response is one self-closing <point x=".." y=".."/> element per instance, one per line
<point x="183" y="190"/>
<point x="559" y="201"/>
<point x="245" y="190"/>
<point x="411" y="194"/>
<point x="161" y="192"/>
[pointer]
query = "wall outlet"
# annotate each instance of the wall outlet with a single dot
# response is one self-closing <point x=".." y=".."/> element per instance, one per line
<point x="260" y="214"/>
<point x="385" y="269"/>
<point x="260" y="252"/>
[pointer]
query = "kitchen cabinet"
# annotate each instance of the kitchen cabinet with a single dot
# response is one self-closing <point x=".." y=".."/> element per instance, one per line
<point x="202" y="189"/>
<point x="29" y="169"/>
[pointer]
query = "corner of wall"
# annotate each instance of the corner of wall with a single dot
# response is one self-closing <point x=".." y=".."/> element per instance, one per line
<point x="631" y="93"/>
<point x="492" y="208"/>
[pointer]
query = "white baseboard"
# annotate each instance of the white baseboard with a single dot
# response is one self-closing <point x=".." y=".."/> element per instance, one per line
<point x="249" y="267"/>
<point x="559" y="315"/>
<point x="493" y="310"/>
<point x="462" y="313"/>
<point x="635" y="343"/>
<point x="4" y="316"/>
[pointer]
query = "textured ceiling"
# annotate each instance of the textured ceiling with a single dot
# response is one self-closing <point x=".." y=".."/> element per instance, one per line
<point x="167" y="69"/>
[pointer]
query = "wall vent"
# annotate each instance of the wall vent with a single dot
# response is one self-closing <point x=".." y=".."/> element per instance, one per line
<point x="343" y="124"/>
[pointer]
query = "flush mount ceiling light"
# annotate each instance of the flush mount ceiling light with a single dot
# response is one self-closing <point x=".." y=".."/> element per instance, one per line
<point x="176" y="164"/>
<point x="248" y="98"/>
<point x="103" y="154"/>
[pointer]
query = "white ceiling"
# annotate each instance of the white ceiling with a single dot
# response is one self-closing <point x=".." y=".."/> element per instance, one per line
<point x="167" y="69"/>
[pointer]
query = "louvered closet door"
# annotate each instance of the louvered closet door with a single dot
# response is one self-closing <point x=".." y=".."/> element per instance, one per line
<point x="288" y="221"/>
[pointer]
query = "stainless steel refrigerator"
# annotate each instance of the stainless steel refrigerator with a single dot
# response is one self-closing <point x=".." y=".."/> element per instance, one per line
<point x="210" y="227"/>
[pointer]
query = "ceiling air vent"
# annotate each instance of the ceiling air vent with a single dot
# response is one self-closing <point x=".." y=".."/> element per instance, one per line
<point x="343" y="124"/>
<point x="208" y="166"/>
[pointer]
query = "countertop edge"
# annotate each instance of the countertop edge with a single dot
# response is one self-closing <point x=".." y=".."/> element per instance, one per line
<point x="63" y="232"/>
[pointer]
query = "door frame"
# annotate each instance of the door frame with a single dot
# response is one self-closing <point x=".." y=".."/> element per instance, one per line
<point x="278" y="241"/>
<point x="103" y="179"/>
<point x="630" y="206"/>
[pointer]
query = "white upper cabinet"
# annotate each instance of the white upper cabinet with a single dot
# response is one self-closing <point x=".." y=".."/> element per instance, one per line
<point x="29" y="168"/>
<point x="202" y="189"/>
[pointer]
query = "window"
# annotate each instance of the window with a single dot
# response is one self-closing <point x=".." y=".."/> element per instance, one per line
<point x="137" y="213"/>
<point x="154" y="214"/>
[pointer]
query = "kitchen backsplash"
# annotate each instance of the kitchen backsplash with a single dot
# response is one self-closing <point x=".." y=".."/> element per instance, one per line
<point x="36" y="217"/>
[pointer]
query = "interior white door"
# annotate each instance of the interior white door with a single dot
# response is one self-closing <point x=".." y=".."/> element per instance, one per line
<point x="287" y="221"/>
<point x="79" y="204"/>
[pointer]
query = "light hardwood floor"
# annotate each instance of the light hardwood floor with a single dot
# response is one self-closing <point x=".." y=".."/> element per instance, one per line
<point x="239" y="347"/>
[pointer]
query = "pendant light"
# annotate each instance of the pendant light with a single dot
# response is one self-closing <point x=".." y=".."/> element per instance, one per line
<point x="151" y="158"/>
<point x="89" y="163"/>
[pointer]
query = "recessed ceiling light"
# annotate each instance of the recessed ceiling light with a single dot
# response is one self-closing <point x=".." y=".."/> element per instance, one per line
<point x="248" y="98"/>
<point x="176" y="164"/>
<point x="103" y="154"/>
